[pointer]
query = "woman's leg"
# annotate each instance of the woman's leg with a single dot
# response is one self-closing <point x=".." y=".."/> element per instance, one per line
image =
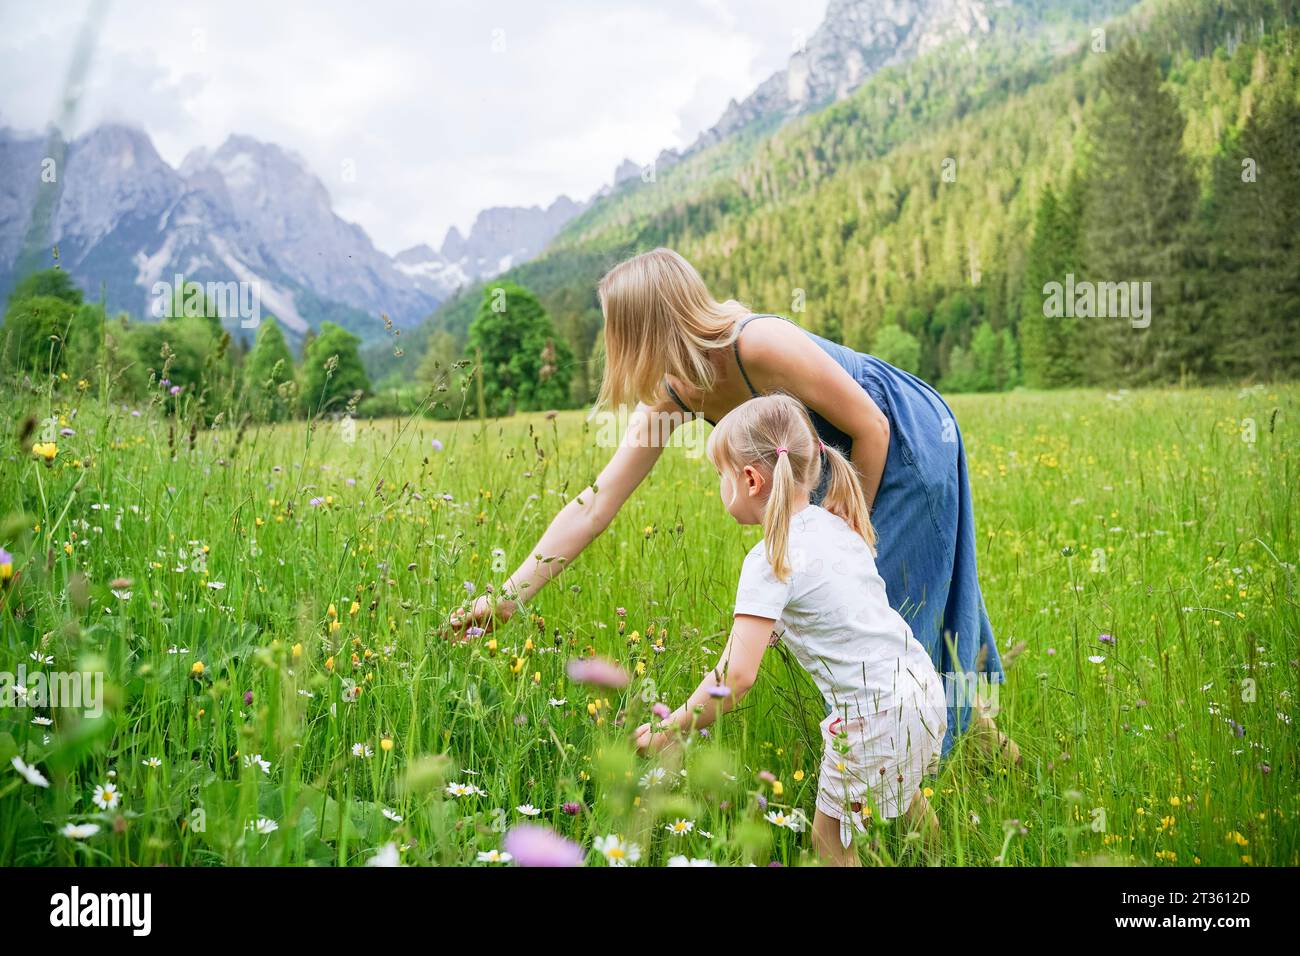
<point x="826" y="841"/>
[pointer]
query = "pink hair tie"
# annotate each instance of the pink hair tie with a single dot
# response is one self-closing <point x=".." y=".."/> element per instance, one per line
<point x="782" y="451"/>
<point x="822" y="443"/>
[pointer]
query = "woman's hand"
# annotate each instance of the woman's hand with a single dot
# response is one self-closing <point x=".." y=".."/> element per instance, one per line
<point x="481" y="616"/>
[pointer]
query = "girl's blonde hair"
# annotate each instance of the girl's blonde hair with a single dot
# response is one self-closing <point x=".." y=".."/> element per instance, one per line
<point x="752" y="433"/>
<point x="660" y="317"/>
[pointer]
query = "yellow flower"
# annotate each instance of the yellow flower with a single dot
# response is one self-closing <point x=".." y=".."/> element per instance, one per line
<point x="329" y="664"/>
<point x="386" y="743"/>
<point x="537" y="677"/>
<point x="1174" y="801"/>
<point x="1237" y="838"/>
<point x="197" y="668"/>
<point x="45" y="449"/>
<point x="798" y="775"/>
<point x="354" y="608"/>
<point x="928" y="792"/>
<point x="297" y="650"/>
<point x="777" y="788"/>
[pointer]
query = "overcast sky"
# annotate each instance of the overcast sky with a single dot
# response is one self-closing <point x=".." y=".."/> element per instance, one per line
<point x="442" y="108"/>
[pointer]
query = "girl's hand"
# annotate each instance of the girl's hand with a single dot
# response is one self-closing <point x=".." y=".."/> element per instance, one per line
<point x="479" y="616"/>
<point x="649" y="742"/>
<point x="641" y="738"/>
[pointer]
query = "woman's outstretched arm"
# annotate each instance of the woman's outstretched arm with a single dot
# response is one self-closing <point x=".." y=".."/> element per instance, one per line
<point x="585" y="516"/>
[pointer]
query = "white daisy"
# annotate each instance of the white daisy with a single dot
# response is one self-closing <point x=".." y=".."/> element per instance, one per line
<point x="778" y="818"/>
<point x="386" y="855"/>
<point x="457" y="789"/>
<point x="106" y="796"/>
<point x="494" y="856"/>
<point x="152" y="762"/>
<point x="40" y="658"/>
<point x="251" y="760"/>
<point x="559" y="702"/>
<point x="392" y="815"/>
<point x="263" y="825"/>
<point x="30" y="773"/>
<point x="528" y="810"/>
<point x="617" y="851"/>
<point x="42" y="721"/>
<point x="653" y="776"/>
<point x="362" y="750"/>
<point x="79" y="831"/>
<point x="683" y="861"/>
<point x="680" y="827"/>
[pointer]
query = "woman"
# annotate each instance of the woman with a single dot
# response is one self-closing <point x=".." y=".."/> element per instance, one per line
<point x="673" y="349"/>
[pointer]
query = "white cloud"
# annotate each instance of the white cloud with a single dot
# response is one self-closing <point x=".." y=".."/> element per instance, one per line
<point x="435" y="123"/>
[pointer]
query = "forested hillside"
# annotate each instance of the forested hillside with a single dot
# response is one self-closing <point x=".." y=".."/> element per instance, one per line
<point x="921" y="217"/>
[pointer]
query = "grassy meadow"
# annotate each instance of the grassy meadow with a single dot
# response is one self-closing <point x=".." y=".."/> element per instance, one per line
<point x="265" y="605"/>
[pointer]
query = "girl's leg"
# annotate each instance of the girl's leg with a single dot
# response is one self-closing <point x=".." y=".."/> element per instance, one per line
<point x="921" y="819"/>
<point x="826" y="841"/>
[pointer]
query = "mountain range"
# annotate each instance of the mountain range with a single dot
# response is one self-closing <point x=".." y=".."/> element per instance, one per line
<point x="122" y="219"/>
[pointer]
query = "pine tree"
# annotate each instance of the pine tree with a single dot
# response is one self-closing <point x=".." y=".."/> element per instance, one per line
<point x="1140" y="200"/>
<point x="1050" y="344"/>
<point x="1256" y="224"/>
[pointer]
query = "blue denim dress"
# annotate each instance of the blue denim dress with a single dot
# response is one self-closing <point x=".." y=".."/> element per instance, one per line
<point x="925" y="526"/>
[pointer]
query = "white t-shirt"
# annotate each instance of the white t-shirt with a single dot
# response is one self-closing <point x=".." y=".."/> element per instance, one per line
<point x="834" y="615"/>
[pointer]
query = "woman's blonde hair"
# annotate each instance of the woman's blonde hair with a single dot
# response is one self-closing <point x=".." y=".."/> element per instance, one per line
<point x="752" y="433"/>
<point x="660" y="318"/>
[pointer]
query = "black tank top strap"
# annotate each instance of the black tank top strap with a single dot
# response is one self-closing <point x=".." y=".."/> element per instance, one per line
<point x="676" y="398"/>
<point x="735" y="344"/>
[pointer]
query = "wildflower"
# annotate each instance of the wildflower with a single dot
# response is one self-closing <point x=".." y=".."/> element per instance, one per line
<point x="1095" y="658"/>
<point x="558" y="702"/>
<point x="598" y="671"/>
<point x="680" y="827"/>
<point x="255" y="760"/>
<point x="387" y="855"/>
<point x="494" y="856"/>
<point x="196" y="669"/>
<point x="41" y="721"/>
<point x="435" y="444"/>
<point x="174" y="390"/>
<point x="533" y="845"/>
<point x="361" y="750"/>
<point x="779" y="818"/>
<point x="79" y="831"/>
<point x="151" y="762"/>
<point x="528" y="810"/>
<point x="46" y="450"/>
<point x="457" y="789"/>
<point x="617" y="851"/>
<point x="106" y="796"/>
<point x="248" y="698"/>
<point x="653" y="776"/>
<point x="29" y="773"/>
<point x="683" y="861"/>
<point x="660" y="710"/>
<point x="1106" y="639"/>
<point x="386" y="744"/>
<point x="571" y="808"/>
<point x="263" y="825"/>
<point x="6" y="565"/>
<point x="392" y="815"/>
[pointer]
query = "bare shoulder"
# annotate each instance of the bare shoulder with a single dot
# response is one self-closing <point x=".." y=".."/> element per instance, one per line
<point x="771" y="345"/>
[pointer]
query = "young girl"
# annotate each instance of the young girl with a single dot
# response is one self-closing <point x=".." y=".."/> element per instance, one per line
<point x="812" y="582"/>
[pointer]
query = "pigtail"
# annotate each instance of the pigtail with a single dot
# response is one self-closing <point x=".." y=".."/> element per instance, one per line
<point x="776" y="515"/>
<point x="844" y="496"/>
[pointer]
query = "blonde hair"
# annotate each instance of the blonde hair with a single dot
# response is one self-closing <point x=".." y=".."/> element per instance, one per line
<point x="660" y="318"/>
<point x="752" y="434"/>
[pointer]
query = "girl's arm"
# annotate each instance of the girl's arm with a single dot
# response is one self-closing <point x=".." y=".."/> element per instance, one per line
<point x="781" y="356"/>
<point x="737" y="669"/>
<point x="584" y="517"/>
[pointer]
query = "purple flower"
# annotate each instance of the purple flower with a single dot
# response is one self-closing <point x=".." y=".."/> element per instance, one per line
<point x="165" y="382"/>
<point x="6" y="557"/>
<point x="704" y="732"/>
<point x="248" y="698"/>
<point x="316" y="502"/>
<point x="474" y="631"/>
<point x="660" y="710"/>
<point x="621" y="611"/>
<point x="66" y="432"/>
<point x="469" y="587"/>
<point x="1106" y="639"/>
<point x="533" y="845"/>
<point x="762" y="802"/>
<point x="597" y="670"/>
<point x="435" y="445"/>
<point x="351" y="482"/>
<point x="521" y="720"/>
<point x="174" y="390"/>
<point x="572" y="808"/>
<point x="1238" y="730"/>
<point x="719" y="690"/>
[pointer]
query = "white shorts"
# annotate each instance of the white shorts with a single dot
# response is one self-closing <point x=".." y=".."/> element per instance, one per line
<point x="885" y="757"/>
